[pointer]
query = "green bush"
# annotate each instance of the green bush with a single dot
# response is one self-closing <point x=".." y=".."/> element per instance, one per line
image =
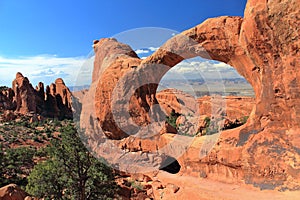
<point x="171" y="119"/>
<point x="71" y="172"/>
<point x="15" y="165"/>
<point x="211" y="126"/>
<point x="136" y="185"/>
<point x="244" y="119"/>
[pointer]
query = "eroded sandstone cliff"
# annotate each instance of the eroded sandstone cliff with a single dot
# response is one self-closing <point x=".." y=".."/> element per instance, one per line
<point x="22" y="98"/>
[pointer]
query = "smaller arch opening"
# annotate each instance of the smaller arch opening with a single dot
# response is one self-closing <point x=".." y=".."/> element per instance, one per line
<point x="170" y="165"/>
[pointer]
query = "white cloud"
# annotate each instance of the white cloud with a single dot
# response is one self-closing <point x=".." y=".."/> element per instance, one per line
<point x="45" y="68"/>
<point x="146" y="50"/>
<point x="207" y="69"/>
<point x="48" y="72"/>
<point x="153" y="48"/>
<point x="141" y="51"/>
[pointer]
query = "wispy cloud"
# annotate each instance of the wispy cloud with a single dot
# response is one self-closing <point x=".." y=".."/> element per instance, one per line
<point x="141" y="51"/>
<point x="45" y="68"/>
<point x="145" y="51"/>
<point x="202" y="68"/>
<point x="48" y="72"/>
<point x="153" y="48"/>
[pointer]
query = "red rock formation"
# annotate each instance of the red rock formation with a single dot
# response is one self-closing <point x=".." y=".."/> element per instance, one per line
<point x="195" y="111"/>
<point x="24" y="94"/>
<point x="58" y="101"/>
<point x="264" y="48"/>
<point x="51" y="109"/>
<point x="64" y="92"/>
<point x="24" y="99"/>
<point x="63" y="99"/>
<point x="112" y="60"/>
<point x="236" y="107"/>
<point x="6" y="99"/>
<point x="40" y="97"/>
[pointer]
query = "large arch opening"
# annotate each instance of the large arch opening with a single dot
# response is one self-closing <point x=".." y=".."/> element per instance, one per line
<point x="202" y="79"/>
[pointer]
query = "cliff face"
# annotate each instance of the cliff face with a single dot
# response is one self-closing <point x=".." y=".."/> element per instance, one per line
<point x="24" y="99"/>
<point x="263" y="47"/>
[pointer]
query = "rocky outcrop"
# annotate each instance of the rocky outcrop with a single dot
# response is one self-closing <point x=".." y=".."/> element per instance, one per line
<point x="24" y="94"/>
<point x="63" y="93"/>
<point x="198" y="110"/>
<point x="6" y="99"/>
<point x="56" y="101"/>
<point x="263" y="47"/>
<point x="51" y="108"/>
<point x="12" y="192"/>
<point x="110" y="64"/>
<point x="40" y="97"/>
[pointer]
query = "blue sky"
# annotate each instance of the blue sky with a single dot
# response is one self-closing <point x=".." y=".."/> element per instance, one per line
<point x="48" y="39"/>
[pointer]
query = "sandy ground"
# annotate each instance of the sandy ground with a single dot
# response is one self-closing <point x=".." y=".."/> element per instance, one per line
<point x="192" y="188"/>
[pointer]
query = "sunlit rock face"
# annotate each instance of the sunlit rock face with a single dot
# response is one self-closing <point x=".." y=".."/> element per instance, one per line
<point x="55" y="101"/>
<point x="263" y="47"/>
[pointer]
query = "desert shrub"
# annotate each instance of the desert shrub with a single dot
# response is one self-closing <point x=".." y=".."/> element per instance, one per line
<point x="244" y="119"/>
<point x="15" y="165"/>
<point x="171" y="119"/>
<point x="211" y="126"/>
<point x="136" y="185"/>
<point x="36" y="139"/>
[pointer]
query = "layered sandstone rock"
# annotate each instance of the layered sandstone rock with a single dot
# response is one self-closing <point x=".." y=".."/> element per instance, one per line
<point x="51" y="108"/>
<point x="56" y="101"/>
<point x="198" y="110"/>
<point x="64" y="93"/>
<point x="112" y="61"/>
<point x="24" y="94"/>
<point x="40" y="97"/>
<point x="263" y="47"/>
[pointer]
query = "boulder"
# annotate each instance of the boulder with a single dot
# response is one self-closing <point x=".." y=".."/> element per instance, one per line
<point x="12" y="192"/>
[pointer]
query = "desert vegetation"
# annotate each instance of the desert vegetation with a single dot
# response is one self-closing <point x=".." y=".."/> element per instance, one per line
<point x="48" y="160"/>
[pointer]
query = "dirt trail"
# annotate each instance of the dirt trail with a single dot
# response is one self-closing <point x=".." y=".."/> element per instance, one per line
<point x="192" y="188"/>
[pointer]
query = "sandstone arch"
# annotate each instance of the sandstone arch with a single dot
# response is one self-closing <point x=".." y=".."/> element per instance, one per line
<point x="264" y="48"/>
